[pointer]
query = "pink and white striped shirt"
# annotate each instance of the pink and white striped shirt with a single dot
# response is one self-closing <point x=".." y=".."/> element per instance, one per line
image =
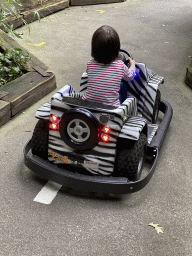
<point x="104" y="81"/>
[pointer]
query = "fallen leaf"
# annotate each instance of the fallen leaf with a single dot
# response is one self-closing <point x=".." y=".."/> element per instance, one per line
<point x="101" y="11"/>
<point x="157" y="228"/>
<point x="37" y="44"/>
<point x="64" y="23"/>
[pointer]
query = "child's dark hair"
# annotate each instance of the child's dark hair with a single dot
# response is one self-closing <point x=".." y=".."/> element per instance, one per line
<point x="105" y="45"/>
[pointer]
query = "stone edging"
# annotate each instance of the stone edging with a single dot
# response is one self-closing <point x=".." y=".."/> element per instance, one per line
<point x="27" y="89"/>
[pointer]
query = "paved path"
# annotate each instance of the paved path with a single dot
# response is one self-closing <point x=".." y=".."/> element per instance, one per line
<point x="159" y="34"/>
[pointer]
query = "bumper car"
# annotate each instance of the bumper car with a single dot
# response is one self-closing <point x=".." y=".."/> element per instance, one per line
<point x="95" y="147"/>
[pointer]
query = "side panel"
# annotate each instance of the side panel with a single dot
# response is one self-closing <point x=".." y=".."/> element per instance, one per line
<point x="144" y="88"/>
<point x="44" y="111"/>
<point x="84" y="83"/>
<point x="64" y="91"/>
<point x="132" y="128"/>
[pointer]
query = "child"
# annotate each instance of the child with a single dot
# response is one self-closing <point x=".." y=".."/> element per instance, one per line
<point x="105" y="70"/>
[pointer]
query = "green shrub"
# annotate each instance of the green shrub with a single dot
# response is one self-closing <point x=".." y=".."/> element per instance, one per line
<point x="12" y="9"/>
<point x="12" y="64"/>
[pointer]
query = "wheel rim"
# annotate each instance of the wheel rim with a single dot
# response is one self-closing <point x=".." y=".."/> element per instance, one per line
<point x="78" y="130"/>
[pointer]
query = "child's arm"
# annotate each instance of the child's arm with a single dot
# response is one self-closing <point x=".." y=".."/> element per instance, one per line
<point x="129" y="71"/>
<point x="131" y="62"/>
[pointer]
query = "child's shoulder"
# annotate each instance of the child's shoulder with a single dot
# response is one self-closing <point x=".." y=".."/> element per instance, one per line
<point x="93" y="62"/>
<point x="118" y="63"/>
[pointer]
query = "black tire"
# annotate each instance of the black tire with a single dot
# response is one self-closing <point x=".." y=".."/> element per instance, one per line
<point x="79" y="129"/>
<point x="156" y="107"/>
<point x="130" y="160"/>
<point x="39" y="142"/>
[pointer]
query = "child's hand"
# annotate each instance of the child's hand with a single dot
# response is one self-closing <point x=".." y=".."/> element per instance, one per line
<point x="131" y="62"/>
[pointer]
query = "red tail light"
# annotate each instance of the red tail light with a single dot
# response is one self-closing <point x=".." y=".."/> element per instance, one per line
<point x="54" y="122"/>
<point x="54" y="126"/>
<point x="106" y="129"/>
<point x="105" y="137"/>
<point x="54" y="118"/>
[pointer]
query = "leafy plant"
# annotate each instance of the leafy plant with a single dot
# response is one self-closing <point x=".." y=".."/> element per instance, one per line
<point x="9" y="11"/>
<point x="12" y="64"/>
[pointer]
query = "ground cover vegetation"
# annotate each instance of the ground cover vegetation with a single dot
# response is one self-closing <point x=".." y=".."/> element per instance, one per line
<point x="12" y="62"/>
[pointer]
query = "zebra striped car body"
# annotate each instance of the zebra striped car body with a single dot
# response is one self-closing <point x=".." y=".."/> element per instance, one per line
<point x="126" y="121"/>
<point x="101" y="158"/>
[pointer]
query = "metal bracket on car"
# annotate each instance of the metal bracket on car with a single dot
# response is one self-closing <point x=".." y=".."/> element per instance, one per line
<point x="3" y="94"/>
<point x="41" y="71"/>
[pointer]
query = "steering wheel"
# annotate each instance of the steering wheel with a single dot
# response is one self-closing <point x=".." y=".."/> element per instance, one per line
<point x="123" y="58"/>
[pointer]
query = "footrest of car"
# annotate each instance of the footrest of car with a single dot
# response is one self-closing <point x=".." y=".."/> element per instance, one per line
<point x="152" y="129"/>
<point x="84" y="183"/>
<point x="158" y="139"/>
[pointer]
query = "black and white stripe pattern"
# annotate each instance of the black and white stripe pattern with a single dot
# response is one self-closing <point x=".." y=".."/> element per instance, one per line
<point x="152" y="129"/>
<point x="144" y="87"/>
<point x="131" y="130"/>
<point x="84" y="83"/>
<point x="103" y="154"/>
<point x="44" y="111"/>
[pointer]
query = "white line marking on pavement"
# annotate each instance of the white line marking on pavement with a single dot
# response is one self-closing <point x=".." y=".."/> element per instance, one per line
<point x="47" y="193"/>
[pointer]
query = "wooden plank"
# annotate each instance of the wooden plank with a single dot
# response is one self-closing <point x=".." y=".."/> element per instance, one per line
<point x="35" y="94"/>
<point x="28" y="89"/>
<point x="91" y="2"/>
<point x="5" y="112"/>
<point x="40" y="71"/>
<point x="3" y="94"/>
<point x="50" y="9"/>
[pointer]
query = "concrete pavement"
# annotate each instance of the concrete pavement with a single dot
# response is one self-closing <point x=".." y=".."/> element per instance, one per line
<point x="157" y="33"/>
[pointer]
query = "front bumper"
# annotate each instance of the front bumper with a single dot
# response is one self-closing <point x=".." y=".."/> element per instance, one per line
<point x="100" y="184"/>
